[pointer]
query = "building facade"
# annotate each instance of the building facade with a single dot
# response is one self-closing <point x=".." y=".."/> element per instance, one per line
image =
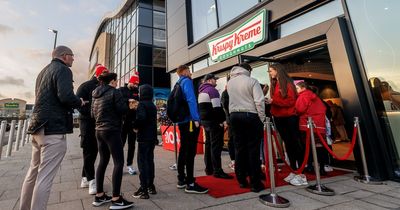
<point x="132" y="39"/>
<point x="13" y="108"/>
<point x="346" y="49"/>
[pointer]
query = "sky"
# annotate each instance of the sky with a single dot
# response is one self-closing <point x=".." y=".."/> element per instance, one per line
<point x="26" y="43"/>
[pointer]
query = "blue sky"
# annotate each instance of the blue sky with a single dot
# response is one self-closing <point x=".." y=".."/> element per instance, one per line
<point x="26" y="43"/>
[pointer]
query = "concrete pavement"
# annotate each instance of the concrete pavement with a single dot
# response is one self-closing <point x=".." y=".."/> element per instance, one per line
<point x="66" y="194"/>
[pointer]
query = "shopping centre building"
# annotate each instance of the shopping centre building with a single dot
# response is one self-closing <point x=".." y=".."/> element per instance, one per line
<point x="347" y="49"/>
<point x="132" y="39"/>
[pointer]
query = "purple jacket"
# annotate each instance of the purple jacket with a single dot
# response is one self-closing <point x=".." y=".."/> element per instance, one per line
<point x="210" y="104"/>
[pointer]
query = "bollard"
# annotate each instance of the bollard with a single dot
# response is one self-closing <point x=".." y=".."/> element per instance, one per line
<point x="175" y="166"/>
<point x="10" y="138"/>
<point x="17" y="140"/>
<point x="272" y="199"/>
<point x="318" y="188"/>
<point x="2" y="132"/>
<point x="24" y="132"/>
<point x="366" y="179"/>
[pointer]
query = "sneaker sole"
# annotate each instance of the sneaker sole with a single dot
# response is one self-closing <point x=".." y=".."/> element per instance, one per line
<point x="100" y="203"/>
<point x="180" y="186"/>
<point x="121" y="207"/>
<point x="136" y="196"/>
<point x="195" y="192"/>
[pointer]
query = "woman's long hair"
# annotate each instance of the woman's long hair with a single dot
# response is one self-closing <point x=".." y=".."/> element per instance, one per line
<point x="283" y="79"/>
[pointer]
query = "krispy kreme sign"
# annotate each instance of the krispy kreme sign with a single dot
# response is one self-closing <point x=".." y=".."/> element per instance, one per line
<point x="242" y="39"/>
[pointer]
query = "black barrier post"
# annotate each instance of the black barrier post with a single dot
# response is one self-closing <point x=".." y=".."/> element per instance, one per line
<point x="366" y="179"/>
<point x="272" y="199"/>
<point x="175" y="166"/>
<point x="318" y="188"/>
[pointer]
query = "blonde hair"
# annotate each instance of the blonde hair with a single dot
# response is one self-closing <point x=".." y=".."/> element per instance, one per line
<point x="181" y="69"/>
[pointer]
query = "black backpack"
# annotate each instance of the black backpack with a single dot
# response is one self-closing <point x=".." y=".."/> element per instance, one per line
<point x="177" y="106"/>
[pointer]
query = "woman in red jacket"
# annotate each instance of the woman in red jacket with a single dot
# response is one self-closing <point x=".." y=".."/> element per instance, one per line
<point x="308" y="104"/>
<point x="283" y="100"/>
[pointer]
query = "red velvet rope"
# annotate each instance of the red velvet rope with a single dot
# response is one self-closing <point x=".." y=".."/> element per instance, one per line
<point x="305" y="160"/>
<point x="347" y="155"/>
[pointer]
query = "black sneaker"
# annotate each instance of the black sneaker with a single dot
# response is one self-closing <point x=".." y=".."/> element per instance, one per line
<point x="222" y="175"/>
<point x="195" y="188"/>
<point x="141" y="193"/>
<point x="152" y="190"/>
<point x="98" y="201"/>
<point x="181" y="185"/>
<point x="121" y="203"/>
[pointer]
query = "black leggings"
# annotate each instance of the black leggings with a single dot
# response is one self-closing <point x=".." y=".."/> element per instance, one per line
<point x="110" y="142"/>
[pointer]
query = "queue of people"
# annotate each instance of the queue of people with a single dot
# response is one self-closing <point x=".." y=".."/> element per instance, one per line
<point x="110" y="116"/>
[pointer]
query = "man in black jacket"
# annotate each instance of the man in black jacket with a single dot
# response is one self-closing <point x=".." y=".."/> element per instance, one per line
<point x="87" y="128"/>
<point x="130" y="92"/>
<point x="51" y="121"/>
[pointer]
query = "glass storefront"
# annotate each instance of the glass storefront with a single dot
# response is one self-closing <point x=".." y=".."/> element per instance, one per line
<point x="374" y="24"/>
<point x="137" y="42"/>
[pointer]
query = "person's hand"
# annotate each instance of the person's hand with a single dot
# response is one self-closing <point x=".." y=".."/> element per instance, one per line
<point x="268" y="100"/>
<point x="133" y="104"/>
<point x="135" y="130"/>
<point x="225" y="124"/>
<point x="197" y="124"/>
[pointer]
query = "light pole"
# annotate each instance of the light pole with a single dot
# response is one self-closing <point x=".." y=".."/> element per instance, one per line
<point x="55" y="38"/>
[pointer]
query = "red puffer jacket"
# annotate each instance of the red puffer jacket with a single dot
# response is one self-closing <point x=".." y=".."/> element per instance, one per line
<point x="309" y="105"/>
<point x="283" y="107"/>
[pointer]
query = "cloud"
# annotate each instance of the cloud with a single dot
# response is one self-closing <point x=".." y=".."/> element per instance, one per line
<point x="10" y="80"/>
<point x="28" y="95"/>
<point x="2" y="96"/>
<point x="4" y="29"/>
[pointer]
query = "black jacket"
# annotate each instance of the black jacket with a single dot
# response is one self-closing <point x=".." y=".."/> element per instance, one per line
<point x="129" y="94"/>
<point x="85" y="92"/>
<point x="146" y="116"/>
<point x="225" y="104"/>
<point x="108" y="107"/>
<point x="55" y="100"/>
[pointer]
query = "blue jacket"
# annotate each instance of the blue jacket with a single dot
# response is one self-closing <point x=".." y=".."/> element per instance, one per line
<point x="190" y="97"/>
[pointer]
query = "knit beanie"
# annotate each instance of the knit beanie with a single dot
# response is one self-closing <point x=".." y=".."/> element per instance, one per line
<point x="134" y="79"/>
<point x="100" y="69"/>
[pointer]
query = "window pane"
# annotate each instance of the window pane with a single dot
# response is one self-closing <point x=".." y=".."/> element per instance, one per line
<point x="145" y="35"/>
<point x="146" y="3"/>
<point x="159" y="38"/>
<point x="229" y="9"/>
<point x="159" y="19"/>
<point x="146" y="75"/>
<point x="204" y="18"/>
<point x="318" y="15"/>
<point x="145" y="17"/>
<point x="144" y="55"/>
<point x="379" y="45"/>
<point x="133" y="40"/>
<point x="200" y="65"/>
<point x="159" y="5"/>
<point x="161" y="78"/>
<point x="159" y="57"/>
<point x="133" y="59"/>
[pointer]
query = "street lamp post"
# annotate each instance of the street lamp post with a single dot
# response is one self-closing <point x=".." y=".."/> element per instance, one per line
<point x="55" y="38"/>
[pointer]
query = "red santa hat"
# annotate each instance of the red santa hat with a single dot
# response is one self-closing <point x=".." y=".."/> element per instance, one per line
<point x="134" y="78"/>
<point x="100" y="69"/>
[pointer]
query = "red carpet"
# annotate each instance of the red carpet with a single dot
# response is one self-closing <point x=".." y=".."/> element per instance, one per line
<point x="225" y="187"/>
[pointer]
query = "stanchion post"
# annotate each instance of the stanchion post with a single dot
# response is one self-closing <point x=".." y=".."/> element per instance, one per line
<point x="24" y="132"/>
<point x="2" y="132"/>
<point x="272" y="199"/>
<point x="318" y="188"/>
<point x="175" y="165"/>
<point x="10" y="138"/>
<point x="366" y="178"/>
<point x="17" y="140"/>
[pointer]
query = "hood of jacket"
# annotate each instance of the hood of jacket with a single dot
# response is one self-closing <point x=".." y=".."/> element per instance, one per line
<point x="100" y="90"/>
<point x="205" y="86"/>
<point x="309" y="94"/>
<point x="237" y="70"/>
<point x="145" y="93"/>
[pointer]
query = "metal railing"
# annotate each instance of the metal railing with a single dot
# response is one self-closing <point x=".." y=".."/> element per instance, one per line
<point x="15" y="135"/>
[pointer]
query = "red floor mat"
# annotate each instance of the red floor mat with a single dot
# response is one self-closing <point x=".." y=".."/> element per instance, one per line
<point x="225" y="187"/>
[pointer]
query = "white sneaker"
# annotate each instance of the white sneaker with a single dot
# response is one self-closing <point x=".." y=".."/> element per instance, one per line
<point x="297" y="180"/>
<point x="92" y="187"/>
<point x="131" y="170"/>
<point x="289" y="177"/>
<point x="84" y="182"/>
<point x="328" y="168"/>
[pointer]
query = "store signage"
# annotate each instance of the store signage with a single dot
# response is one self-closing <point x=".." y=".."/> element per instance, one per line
<point x="168" y="139"/>
<point x="242" y="39"/>
<point x="11" y="105"/>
